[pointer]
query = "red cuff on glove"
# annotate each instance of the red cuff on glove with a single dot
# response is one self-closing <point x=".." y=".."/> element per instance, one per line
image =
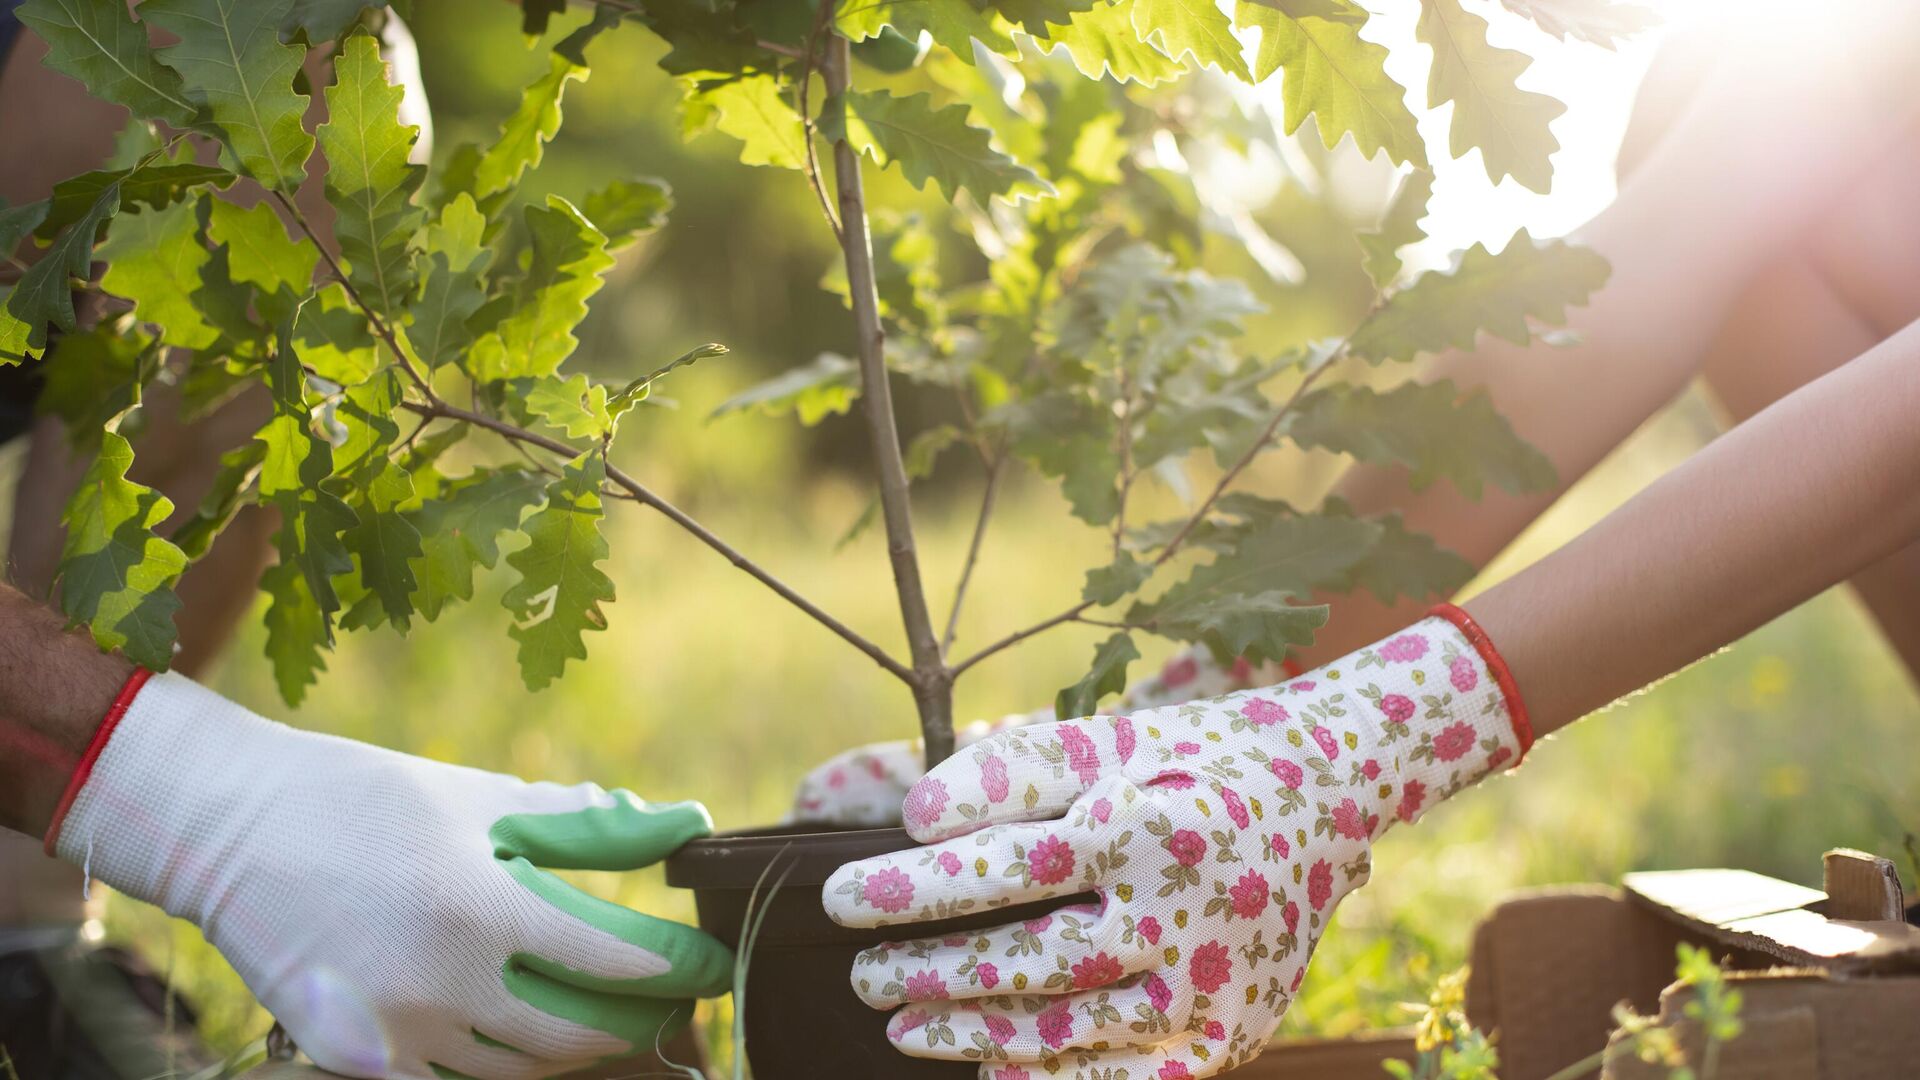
<point x="1516" y="708"/>
<point x="121" y="702"/>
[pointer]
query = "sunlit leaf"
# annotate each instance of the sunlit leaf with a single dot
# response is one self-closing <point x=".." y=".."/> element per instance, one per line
<point x="569" y="255"/>
<point x="370" y="182"/>
<point x="1337" y="76"/>
<point x="954" y="24"/>
<point x="453" y="289"/>
<point x="323" y="20"/>
<point x="157" y="185"/>
<point x="44" y="294"/>
<point x="929" y="144"/>
<point x="1490" y="111"/>
<point x="1196" y="28"/>
<point x="460" y="528"/>
<point x="259" y="251"/>
<point x="626" y="208"/>
<point x="1599" y="22"/>
<point x="230" y="54"/>
<point x="116" y="575"/>
<point x="526" y="132"/>
<point x="333" y="339"/>
<point x="1399" y="226"/>
<point x="754" y="111"/>
<point x="813" y="391"/>
<point x="1103" y="42"/>
<point x="154" y="259"/>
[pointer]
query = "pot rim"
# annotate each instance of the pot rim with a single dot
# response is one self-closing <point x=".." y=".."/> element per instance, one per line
<point x="807" y="856"/>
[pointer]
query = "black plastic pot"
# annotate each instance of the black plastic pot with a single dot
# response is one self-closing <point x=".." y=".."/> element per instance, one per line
<point x="803" y="1020"/>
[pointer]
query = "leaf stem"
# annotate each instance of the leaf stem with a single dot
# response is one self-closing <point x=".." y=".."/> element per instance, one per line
<point x="801" y="88"/>
<point x="995" y="468"/>
<point x="932" y="682"/>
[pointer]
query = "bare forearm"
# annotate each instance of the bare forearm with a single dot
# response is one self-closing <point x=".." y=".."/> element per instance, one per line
<point x="55" y="686"/>
<point x="1789" y="503"/>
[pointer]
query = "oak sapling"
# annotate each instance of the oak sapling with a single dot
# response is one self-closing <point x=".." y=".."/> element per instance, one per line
<point x="1055" y="290"/>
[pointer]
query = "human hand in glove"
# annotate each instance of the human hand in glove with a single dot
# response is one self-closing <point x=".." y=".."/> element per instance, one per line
<point x="392" y="912"/>
<point x="864" y="787"/>
<point x="1217" y="837"/>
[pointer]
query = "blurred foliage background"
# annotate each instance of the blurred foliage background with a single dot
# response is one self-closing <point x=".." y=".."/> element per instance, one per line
<point x="1760" y="758"/>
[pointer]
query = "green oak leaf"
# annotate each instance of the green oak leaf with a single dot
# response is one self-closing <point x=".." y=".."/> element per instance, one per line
<point x="333" y="338"/>
<point x="460" y="528"/>
<point x="1431" y="428"/>
<point x="1292" y="555"/>
<point x="1196" y="28"/>
<point x="1108" y="675"/>
<point x="560" y="590"/>
<point x="812" y="391"/>
<point x="1597" y="22"/>
<point x="297" y="631"/>
<point x="386" y="542"/>
<point x="157" y="185"/>
<point x="572" y="405"/>
<point x="622" y="401"/>
<point x="928" y="144"/>
<point x="1039" y="17"/>
<point x="753" y="110"/>
<point x="1337" y="76"/>
<point x="536" y="334"/>
<point x="315" y="21"/>
<point x="259" y="251"/>
<point x="574" y="45"/>
<point x="362" y="429"/>
<point x="1112" y="583"/>
<point x="525" y="133"/>
<point x="1403" y="564"/>
<point x="370" y="181"/>
<point x="626" y="208"/>
<point x="233" y="62"/>
<point x="1528" y="280"/>
<point x="1103" y="43"/>
<point x="15" y="345"/>
<point x="116" y="575"/>
<point x="1399" y="226"/>
<point x="18" y="222"/>
<point x="454" y="286"/>
<point x="43" y="294"/>
<point x="955" y="24"/>
<point x="1258" y="626"/>
<point x="1508" y="124"/>
<point x="101" y="45"/>
<point x="154" y="259"/>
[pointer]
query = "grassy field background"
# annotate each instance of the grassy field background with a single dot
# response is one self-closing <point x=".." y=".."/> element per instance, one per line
<point x="706" y="687"/>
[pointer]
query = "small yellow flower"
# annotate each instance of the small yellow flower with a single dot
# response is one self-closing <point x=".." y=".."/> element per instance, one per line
<point x="1020" y="980"/>
<point x="1180" y="918"/>
<point x="980" y="868"/>
<point x="1124" y="892"/>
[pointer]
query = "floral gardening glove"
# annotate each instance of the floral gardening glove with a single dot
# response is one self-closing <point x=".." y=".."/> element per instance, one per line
<point x="390" y="911"/>
<point x="863" y="787"/>
<point x="1217" y="836"/>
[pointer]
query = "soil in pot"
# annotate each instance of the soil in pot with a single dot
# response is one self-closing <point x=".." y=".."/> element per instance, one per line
<point x="803" y="1020"/>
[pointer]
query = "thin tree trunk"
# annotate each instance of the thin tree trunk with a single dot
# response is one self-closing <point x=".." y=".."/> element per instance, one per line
<point x="932" y="683"/>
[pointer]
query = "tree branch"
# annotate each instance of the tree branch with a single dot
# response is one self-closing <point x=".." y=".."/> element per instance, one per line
<point x="1200" y="513"/>
<point x="933" y="684"/>
<point x="435" y="408"/>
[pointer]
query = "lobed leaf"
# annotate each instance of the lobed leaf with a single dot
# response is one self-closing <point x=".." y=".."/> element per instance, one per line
<point x="43" y="294"/>
<point x="156" y="184"/>
<point x="1490" y="110"/>
<point x="929" y="144"/>
<point x="454" y="287"/>
<point x="370" y="180"/>
<point x="812" y="391"/>
<point x="116" y="575"/>
<point x="460" y="528"/>
<point x="230" y="54"/>
<point x="626" y="208"/>
<point x="1196" y="28"/>
<point x="99" y="43"/>
<point x="1527" y="280"/>
<point x="568" y="255"/>
<point x="1108" y="675"/>
<point x="525" y="133"/>
<point x="558" y="597"/>
<point x="1598" y="22"/>
<point x="1399" y="226"/>
<point x="333" y="338"/>
<point x="753" y="110"/>
<point x="155" y="259"/>
<point x="1337" y="76"/>
<point x="955" y="24"/>
<point x="1102" y="42"/>
<point x="315" y="21"/>
<point x="259" y="251"/>
<point x="1429" y="428"/>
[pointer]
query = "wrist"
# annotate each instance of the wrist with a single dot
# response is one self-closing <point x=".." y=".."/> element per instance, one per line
<point x="90" y="755"/>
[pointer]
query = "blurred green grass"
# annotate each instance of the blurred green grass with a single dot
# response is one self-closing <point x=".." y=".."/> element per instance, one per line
<point x="705" y="686"/>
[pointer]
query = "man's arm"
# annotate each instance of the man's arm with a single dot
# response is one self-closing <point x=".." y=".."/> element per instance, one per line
<point x="55" y="686"/>
<point x="1793" y="501"/>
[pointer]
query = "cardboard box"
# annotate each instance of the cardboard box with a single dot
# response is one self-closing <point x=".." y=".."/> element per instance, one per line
<point x="1830" y="979"/>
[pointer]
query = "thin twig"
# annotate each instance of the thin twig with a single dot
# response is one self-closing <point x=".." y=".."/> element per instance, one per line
<point x="801" y="89"/>
<point x="995" y="468"/>
<point x="439" y="409"/>
<point x="1200" y="513"/>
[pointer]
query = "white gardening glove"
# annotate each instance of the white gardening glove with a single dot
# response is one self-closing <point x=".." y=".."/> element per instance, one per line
<point x="1217" y="835"/>
<point x="389" y="910"/>
<point x="863" y="787"/>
